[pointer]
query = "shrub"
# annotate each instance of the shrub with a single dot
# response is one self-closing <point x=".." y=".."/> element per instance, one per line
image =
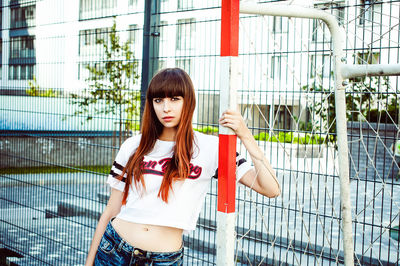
<point x="207" y="129"/>
<point x="290" y="137"/>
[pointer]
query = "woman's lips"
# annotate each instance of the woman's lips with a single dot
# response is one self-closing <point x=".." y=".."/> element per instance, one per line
<point x="168" y="118"/>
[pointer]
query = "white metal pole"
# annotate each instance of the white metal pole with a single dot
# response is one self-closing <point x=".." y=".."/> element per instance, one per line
<point x="340" y="105"/>
<point x="352" y="71"/>
<point x="227" y="138"/>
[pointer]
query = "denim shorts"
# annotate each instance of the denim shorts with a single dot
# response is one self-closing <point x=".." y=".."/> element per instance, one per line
<point x="113" y="250"/>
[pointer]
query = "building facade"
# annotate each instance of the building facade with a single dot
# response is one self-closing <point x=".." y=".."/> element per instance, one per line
<point x="49" y="44"/>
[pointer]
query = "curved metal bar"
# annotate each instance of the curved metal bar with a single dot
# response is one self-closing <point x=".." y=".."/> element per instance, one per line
<point x="337" y="34"/>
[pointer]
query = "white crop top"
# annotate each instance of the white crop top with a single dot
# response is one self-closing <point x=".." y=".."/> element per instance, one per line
<point x="186" y="198"/>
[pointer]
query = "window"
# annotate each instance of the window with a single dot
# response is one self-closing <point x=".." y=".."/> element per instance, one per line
<point x="279" y="25"/>
<point x="276" y="65"/>
<point x="133" y="3"/>
<point x="163" y="38"/>
<point x="185" y="64"/>
<point x="185" y="34"/>
<point x="161" y="64"/>
<point x="320" y="65"/>
<point x="22" y="17"/>
<point x="133" y="32"/>
<point x="21" y="72"/>
<point x="133" y="38"/>
<point x="101" y="34"/>
<point x="315" y="30"/>
<point x="84" y="73"/>
<point x="185" y="4"/>
<point x="340" y="13"/>
<point x="12" y="72"/>
<point x="88" y="35"/>
<point x="96" y="8"/>
<point x="366" y="11"/>
<point x="282" y="116"/>
<point x="88" y="40"/>
<point x="320" y="32"/>
<point x="22" y="47"/>
<point x="31" y="71"/>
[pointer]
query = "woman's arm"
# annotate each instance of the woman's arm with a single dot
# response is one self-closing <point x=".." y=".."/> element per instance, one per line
<point x="262" y="178"/>
<point x="112" y="209"/>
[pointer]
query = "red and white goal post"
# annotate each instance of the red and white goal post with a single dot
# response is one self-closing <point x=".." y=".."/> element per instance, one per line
<point x="230" y="11"/>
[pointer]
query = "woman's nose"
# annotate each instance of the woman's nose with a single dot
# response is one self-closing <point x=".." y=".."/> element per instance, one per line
<point x="166" y="106"/>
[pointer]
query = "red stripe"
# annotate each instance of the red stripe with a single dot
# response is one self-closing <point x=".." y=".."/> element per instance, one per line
<point x="230" y="28"/>
<point x="227" y="173"/>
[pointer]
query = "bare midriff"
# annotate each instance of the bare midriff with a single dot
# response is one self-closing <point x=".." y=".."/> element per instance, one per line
<point x="155" y="238"/>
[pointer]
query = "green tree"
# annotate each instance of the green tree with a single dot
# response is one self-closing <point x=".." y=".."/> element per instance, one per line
<point x="35" y="90"/>
<point x="368" y="92"/>
<point x="110" y="84"/>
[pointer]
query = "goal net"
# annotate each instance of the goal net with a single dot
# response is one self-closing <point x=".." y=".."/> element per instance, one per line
<point x="287" y="96"/>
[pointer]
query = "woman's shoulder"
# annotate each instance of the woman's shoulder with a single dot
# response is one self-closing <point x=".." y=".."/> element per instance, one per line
<point x="204" y="139"/>
<point x="206" y="148"/>
<point x="131" y="142"/>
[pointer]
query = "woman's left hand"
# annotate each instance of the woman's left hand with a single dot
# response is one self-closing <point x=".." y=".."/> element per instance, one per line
<point x="263" y="178"/>
<point x="235" y="121"/>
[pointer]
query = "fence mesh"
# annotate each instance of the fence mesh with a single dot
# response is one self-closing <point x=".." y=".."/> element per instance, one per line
<point x="54" y="159"/>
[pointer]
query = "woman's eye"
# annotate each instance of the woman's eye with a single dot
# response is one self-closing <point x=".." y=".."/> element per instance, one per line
<point x="158" y="100"/>
<point x="175" y="98"/>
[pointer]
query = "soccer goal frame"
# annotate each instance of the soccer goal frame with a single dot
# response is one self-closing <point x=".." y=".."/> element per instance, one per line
<point x="230" y="11"/>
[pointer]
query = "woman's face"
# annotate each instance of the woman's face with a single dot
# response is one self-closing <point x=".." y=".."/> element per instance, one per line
<point x="168" y="110"/>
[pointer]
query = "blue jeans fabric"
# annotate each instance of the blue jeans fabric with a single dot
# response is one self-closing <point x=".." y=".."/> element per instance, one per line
<point x="113" y="250"/>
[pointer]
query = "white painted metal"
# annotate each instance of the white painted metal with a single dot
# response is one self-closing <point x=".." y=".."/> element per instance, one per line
<point x="228" y="100"/>
<point x="225" y="238"/>
<point x="227" y="94"/>
<point x="351" y="71"/>
<point x="338" y="40"/>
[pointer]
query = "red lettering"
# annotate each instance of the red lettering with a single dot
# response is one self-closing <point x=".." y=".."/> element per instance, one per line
<point x="150" y="164"/>
<point x="195" y="171"/>
<point x="164" y="163"/>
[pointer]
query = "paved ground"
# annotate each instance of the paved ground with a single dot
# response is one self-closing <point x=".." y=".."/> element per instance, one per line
<point x="303" y="216"/>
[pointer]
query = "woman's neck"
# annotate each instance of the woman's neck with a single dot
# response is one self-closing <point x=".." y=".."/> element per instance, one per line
<point x="168" y="134"/>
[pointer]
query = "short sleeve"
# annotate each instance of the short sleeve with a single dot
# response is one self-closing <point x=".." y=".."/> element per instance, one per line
<point x="115" y="178"/>
<point x="242" y="166"/>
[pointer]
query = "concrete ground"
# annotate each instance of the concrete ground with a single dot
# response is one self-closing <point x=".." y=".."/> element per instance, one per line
<point x="302" y="222"/>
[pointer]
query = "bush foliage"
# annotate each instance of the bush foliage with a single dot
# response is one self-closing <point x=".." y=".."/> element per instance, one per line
<point x="291" y="137"/>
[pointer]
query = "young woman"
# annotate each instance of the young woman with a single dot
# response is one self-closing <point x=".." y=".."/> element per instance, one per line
<point x="159" y="178"/>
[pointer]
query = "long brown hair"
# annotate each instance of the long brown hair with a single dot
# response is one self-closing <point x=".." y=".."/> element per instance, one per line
<point x="168" y="82"/>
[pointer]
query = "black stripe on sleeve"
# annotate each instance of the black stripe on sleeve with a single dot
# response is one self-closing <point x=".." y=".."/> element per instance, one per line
<point x="240" y="162"/>
<point x="118" y="166"/>
<point x="216" y="174"/>
<point x="114" y="174"/>
<point x="117" y="176"/>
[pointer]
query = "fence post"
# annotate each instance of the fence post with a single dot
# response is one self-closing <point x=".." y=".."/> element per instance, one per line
<point x="227" y="138"/>
<point x="150" y="47"/>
